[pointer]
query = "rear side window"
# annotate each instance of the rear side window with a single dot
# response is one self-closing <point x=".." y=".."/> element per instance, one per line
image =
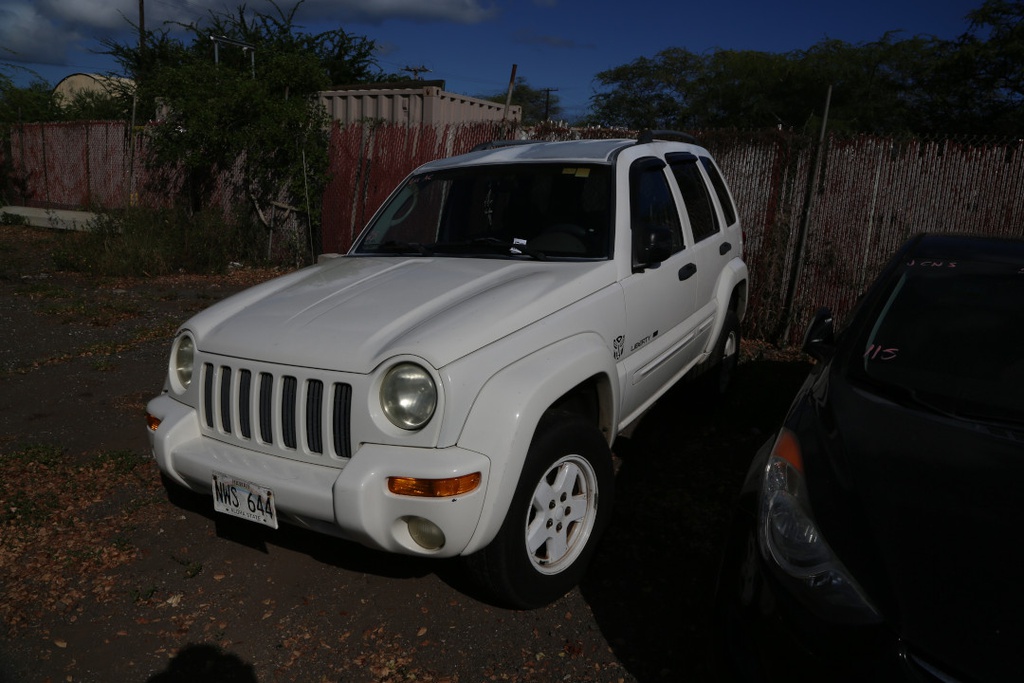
<point x="697" y="198"/>
<point x="721" y="190"/>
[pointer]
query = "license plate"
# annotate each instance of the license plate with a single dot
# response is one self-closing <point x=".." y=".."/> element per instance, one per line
<point x="244" y="499"/>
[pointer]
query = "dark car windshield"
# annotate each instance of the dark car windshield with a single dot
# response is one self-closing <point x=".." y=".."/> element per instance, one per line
<point x="523" y="210"/>
<point x="950" y="337"/>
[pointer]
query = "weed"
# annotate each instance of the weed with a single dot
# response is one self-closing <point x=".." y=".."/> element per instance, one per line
<point x="121" y="462"/>
<point x="122" y="543"/>
<point x="143" y="594"/>
<point x="104" y="365"/>
<point x="192" y="567"/>
<point x="27" y="505"/>
<point x="147" y="242"/>
<point x="42" y="454"/>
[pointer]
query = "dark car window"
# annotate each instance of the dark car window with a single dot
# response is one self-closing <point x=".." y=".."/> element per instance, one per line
<point x="562" y="210"/>
<point x="950" y="335"/>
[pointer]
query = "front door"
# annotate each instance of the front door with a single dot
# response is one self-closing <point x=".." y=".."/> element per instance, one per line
<point x="661" y="299"/>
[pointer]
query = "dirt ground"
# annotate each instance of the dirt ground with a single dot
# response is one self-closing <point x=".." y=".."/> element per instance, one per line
<point x="104" y="576"/>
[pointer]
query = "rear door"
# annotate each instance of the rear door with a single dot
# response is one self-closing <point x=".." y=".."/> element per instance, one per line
<point x="713" y="246"/>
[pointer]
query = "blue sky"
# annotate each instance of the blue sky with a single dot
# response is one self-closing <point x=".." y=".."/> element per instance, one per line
<point x="473" y="44"/>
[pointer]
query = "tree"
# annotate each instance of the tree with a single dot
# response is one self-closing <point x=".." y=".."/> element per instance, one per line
<point x="538" y="104"/>
<point x="920" y="84"/>
<point x="28" y="104"/>
<point x="244" y="103"/>
<point x="750" y="89"/>
<point x="990" y="55"/>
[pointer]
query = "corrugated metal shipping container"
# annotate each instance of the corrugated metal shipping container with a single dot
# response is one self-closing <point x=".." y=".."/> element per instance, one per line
<point x="425" y="105"/>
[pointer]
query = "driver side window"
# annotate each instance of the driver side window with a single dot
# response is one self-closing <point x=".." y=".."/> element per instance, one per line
<point x="652" y="204"/>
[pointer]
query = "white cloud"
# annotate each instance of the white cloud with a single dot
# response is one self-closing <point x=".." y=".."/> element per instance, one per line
<point x="28" y="36"/>
<point x="101" y="14"/>
<point x="46" y="31"/>
<point x="459" y="11"/>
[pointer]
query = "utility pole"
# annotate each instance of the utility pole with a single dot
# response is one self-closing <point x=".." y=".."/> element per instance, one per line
<point x="508" y="97"/>
<point x="142" y="25"/>
<point x="547" y="102"/>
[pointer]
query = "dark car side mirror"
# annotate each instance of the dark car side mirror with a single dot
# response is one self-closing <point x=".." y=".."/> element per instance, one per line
<point x="820" y="339"/>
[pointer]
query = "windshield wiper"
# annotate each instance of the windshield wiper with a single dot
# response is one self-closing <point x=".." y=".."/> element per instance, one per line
<point x="494" y="245"/>
<point x="977" y="416"/>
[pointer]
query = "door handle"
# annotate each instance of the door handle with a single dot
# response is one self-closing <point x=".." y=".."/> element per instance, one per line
<point x="687" y="271"/>
<point x="724" y="248"/>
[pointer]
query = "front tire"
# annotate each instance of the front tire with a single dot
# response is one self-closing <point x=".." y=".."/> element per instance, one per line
<point x="561" y="506"/>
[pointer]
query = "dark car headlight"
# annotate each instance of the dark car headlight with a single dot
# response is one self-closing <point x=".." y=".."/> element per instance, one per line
<point x="792" y="543"/>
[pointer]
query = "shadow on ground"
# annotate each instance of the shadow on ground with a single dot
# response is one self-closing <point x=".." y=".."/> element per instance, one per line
<point x="652" y="583"/>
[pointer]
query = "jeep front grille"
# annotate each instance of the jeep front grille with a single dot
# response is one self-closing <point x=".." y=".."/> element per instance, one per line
<point x="281" y="411"/>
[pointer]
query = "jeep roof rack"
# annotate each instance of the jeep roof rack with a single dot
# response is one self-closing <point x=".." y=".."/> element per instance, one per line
<point x="652" y="135"/>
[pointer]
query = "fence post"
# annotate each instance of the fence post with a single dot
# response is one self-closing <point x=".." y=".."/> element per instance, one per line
<point x="786" y="320"/>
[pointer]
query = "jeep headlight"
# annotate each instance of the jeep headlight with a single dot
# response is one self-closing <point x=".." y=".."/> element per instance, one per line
<point x="182" y="356"/>
<point x="408" y="396"/>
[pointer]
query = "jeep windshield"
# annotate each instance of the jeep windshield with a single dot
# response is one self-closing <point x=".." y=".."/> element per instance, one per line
<point x="947" y="339"/>
<point x="544" y="211"/>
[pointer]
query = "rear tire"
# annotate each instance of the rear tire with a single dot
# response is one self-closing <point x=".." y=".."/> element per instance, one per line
<point x="559" y="511"/>
<point x="724" y="358"/>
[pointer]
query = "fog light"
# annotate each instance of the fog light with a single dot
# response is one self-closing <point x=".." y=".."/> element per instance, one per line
<point x="426" y="534"/>
<point x="152" y="421"/>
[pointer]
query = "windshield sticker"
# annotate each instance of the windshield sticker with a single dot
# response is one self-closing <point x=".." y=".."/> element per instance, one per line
<point x="517" y="242"/>
<point x="912" y="263"/>
<point x="577" y="172"/>
<point x="879" y="352"/>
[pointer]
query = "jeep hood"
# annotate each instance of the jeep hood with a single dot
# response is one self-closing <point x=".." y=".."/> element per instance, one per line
<point x="352" y="313"/>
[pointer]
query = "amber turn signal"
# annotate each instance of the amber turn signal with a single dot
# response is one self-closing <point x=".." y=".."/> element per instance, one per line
<point x="153" y="421"/>
<point x="433" y="488"/>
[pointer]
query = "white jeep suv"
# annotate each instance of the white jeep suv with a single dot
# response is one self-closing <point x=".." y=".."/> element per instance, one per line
<point x="454" y="383"/>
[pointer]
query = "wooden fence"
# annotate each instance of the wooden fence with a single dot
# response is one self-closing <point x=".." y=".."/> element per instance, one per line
<point x="812" y="239"/>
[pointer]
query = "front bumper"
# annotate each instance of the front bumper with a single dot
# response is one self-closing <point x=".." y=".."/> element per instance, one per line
<point x="764" y="634"/>
<point x="351" y="502"/>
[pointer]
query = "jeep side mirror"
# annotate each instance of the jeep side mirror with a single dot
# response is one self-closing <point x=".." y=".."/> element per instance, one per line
<point x="820" y="339"/>
<point x="655" y="246"/>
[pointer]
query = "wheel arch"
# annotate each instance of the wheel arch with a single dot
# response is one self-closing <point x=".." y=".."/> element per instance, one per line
<point x="522" y="394"/>
<point x="730" y="295"/>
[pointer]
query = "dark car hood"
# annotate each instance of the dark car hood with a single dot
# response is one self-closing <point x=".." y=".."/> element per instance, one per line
<point x="937" y="510"/>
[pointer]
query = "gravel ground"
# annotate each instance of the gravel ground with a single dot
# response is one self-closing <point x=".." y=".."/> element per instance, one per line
<point x="105" y="576"/>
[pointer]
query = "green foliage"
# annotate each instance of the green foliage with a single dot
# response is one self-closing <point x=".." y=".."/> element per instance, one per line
<point x="26" y="507"/>
<point x="250" y="114"/>
<point x="47" y="455"/>
<point x="919" y="85"/>
<point x="121" y="462"/>
<point x="37" y="103"/>
<point x="26" y="105"/>
<point x="145" y="242"/>
<point x="94" y="106"/>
